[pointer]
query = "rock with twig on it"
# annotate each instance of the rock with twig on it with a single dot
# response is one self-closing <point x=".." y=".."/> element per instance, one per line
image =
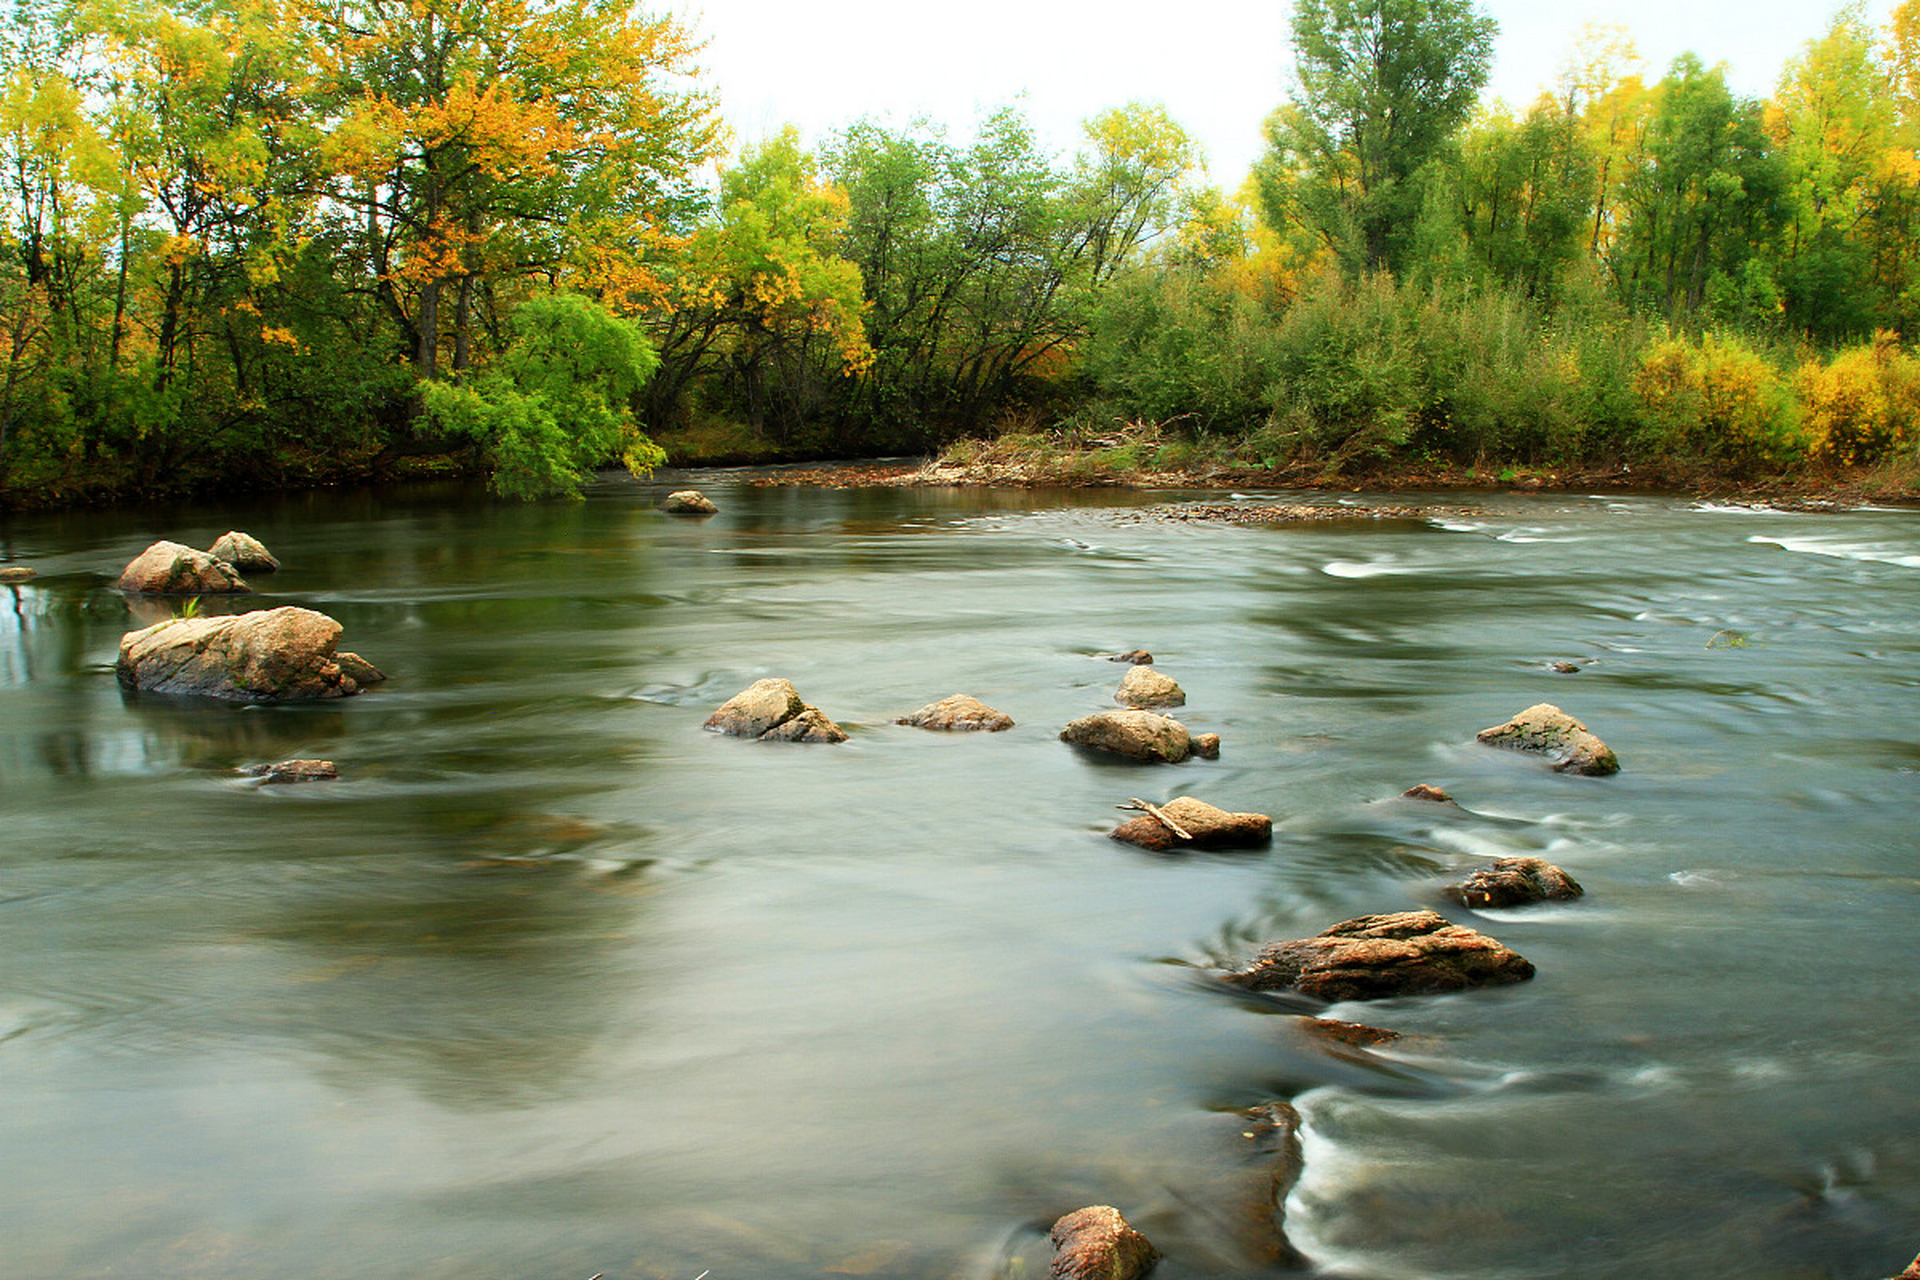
<point x="290" y="771"/>
<point x="1138" y="735"/>
<point x="772" y="710"/>
<point x="1096" y="1243"/>
<point x="1145" y="687"/>
<point x="959" y="713"/>
<point x="1513" y="882"/>
<point x="269" y="655"/>
<point x="172" y="569"/>
<point x="244" y="552"/>
<point x="1186" y="823"/>
<point x="1374" y="957"/>
<point x="1545" y="729"/>
<point x="688" y="502"/>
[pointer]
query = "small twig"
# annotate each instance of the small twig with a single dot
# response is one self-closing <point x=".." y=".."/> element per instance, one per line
<point x="1158" y="813"/>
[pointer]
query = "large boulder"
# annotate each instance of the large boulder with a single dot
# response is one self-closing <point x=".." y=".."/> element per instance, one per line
<point x="1145" y="687"/>
<point x="1373" y="957"/>
<point x="1512" y="882"/>
<point x="270" y="655"/>
<point x="959" y="712"/>
<point x="1547" y="730"/>
<point x="688" y="502"/>
<point x="1138" y="735"/>
<point x="1206" y="827"/>
<point x="1096" y="1243"/>
<point x="244" y="552"/>
<point x="773" y="710"/>
<point x="171" y="569"/>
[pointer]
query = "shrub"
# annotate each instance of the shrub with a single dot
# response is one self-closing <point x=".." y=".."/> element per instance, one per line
<point x="1858" y="409"/>
<point x="1717" y="399"/>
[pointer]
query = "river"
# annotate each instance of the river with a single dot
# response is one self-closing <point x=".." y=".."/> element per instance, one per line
<point x="552" y="983"/>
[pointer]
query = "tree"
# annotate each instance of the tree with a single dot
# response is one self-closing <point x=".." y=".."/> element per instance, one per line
<point x="1381" y="84"/>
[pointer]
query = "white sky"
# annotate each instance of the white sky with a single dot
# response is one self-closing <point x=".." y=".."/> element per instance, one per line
<point x="1218" y="66"/>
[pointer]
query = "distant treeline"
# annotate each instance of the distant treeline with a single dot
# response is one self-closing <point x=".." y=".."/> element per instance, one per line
<point x="283" y="242"/>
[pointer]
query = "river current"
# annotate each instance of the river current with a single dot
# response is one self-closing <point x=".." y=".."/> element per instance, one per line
<point x="552" y="983"/>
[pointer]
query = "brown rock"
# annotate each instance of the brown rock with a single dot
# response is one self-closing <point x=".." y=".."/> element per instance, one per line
<point x="1912" y="1272"/>
<point x="1421" y="791"/>
<point x="1208" y="827"/>
<point x="1549" y="731"/>
<point x="1512" y="881"/>
<point x="244" y="552"/>
<point x="170" y="569"/>
<point x="1353" y="1035"/>
<point x="363" y="672"/>
<point x="1206" y="745"/>
<point x="1563" y="668"/>
<point x="293" y="771"/>
<point x="959" y="712"/>
<point x="1139" y="735"/>
<point x="1140" y="656"/>
<point x="1372" y="957"/>
<point x="1272" y="1135"/>
<point x="811" y="725"/>
<point x="772" y="709"/>
<point x="1096" y="1243"/>
<point x="270" y="655"/>
<point x="688" y="502"/>
<point x="1145" y="687"/>
<point x="10" y="573"/>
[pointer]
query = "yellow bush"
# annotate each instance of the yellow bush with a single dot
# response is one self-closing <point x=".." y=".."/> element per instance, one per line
<point x="1718" y="398"/>
<point x="1860" y="407"/>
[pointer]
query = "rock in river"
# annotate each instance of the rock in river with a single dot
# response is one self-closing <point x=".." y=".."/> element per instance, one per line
<point x="1096" y="1243"/>
<point x="244" y="552"/>
<point x="959" y="712"/>
<point x="773" y="710"/>
<point x="1207" y="827"/>
<point x="171" y="569"/>
<point x="293" y="771"/>
<point x="1145" y="687"/>
<point x="1549" y="731"/>
<point x="1140" y="735"/>
<point x="1373" y="957"/>
<point x="1511" y="882"/>
<point x="17" y="573"/>
<point x="270" y="655"/>
<point x="688" y="502"/>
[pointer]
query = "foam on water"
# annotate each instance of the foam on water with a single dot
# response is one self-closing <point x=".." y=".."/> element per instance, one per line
<point x="1869" y="552"/>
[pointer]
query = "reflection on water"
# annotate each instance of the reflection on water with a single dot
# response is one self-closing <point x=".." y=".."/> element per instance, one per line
<point x="552" y="983"/>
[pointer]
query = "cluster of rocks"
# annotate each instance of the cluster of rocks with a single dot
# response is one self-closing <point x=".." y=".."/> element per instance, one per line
<point x="284" y="654"/>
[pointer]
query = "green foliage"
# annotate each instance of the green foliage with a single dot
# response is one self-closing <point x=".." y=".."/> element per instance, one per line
<point x="556" y="405"/>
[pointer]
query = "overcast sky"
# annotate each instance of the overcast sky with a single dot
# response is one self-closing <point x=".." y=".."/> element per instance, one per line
<point x="1218" y="66"/>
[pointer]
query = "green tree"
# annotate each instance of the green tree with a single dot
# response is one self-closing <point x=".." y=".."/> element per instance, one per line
<point x="1381" y="85"/>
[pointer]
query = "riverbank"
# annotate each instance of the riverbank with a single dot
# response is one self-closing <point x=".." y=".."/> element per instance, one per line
<point x="993" y="465"/>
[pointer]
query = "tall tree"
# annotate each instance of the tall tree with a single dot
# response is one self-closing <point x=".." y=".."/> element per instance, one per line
<point x="1381" y="84"/>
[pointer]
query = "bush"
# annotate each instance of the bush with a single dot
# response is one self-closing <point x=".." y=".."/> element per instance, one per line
<point x="1858" y="410"/>
<point x="1717" y="399"/>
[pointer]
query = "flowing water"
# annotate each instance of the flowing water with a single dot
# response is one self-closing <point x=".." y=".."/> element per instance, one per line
<point x="552" y="983"/>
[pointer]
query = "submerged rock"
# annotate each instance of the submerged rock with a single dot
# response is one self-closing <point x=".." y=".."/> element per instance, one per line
<point x="358" y="668"/>
<point x="1912" y="1272"/>
<point x="1145" y="687"/>
<point x="688" y="502"/>
<point x="1097" y="1243"/>
<point x="1373" y="957"/>
<point x="1350" y="1035"/>
<point x="1511" y="882"/>
<point x="1207" y="827"/>
<point x="772" y="709"/>
<point x="10" y="573"/>
<point x="961" y="713"/>
<point x="1138" y="735"/>
<point x="172" y="569"/>
<point x="270" y="655"/>
<point x="244" y="552"/>
<point x="1138" y="656"/>
<point x="292" y="771"/>
<point x="1547" y="730"/>
<point x="1421" y="791"/>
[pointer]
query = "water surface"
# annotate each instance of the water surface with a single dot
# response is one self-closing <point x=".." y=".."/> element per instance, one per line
<point x="553" y="983"/>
